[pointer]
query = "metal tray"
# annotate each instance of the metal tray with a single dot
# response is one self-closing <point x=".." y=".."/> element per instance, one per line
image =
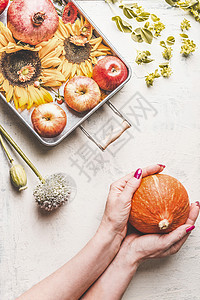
<point x="76" y="119"/>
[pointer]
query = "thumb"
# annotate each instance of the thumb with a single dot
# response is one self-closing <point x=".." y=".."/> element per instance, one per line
<point x="132" y="185"/>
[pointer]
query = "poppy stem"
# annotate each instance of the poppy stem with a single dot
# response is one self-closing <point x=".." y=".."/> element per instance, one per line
<point x="6" y="150"/>
<point x="21" y="153"/>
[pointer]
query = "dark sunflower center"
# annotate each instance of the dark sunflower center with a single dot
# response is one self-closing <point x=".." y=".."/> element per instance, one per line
<point x="20" y="68"/>
<point x="76" y="54"/>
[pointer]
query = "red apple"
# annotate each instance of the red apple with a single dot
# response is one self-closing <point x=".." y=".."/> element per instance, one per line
<point x="82" y="93"/>
<point x="3" y="5"/>
<point x="48" y="120"/>
<point x="109" y="73"/>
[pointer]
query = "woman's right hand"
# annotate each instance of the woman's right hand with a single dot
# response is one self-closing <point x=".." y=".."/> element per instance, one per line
<point x="142" y="247"/>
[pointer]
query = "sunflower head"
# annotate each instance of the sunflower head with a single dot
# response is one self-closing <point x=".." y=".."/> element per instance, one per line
<point x="25" y="70"/>
<point x="80" y="48"/>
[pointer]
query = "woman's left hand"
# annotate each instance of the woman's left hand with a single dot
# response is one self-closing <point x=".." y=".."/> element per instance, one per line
<point x="118" y="204"/>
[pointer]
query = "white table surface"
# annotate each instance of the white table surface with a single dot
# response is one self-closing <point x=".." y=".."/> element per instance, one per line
<point x="166" y="130"/>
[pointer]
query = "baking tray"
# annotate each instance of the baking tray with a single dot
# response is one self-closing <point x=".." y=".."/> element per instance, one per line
<point x="75" y="119"/>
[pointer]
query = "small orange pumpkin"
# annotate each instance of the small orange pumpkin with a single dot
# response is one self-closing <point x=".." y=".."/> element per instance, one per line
<point x="160" y="205"/>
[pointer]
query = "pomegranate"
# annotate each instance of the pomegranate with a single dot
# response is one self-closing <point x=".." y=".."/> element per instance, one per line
<point x="3" y="5"/>
<point x="32" y="22"/>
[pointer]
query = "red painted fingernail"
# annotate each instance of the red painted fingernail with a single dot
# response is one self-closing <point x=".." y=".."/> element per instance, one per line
<point x="138" y="173"/>
<point x="162" y="166"/>
<point x="190" y="228"/>
<point x="197" y="202"/>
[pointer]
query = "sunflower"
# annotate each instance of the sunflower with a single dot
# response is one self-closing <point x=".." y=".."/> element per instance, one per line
<point x="80" y="48"/>
<point x="26" y="70"/>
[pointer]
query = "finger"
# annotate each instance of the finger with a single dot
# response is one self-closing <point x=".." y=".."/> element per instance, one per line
<point x="193" y="214"/>
<point x="175" y="247"/>
<point x="169" y="239"/>
<point x="131" y="186"/>
<point x="150" y="170"/>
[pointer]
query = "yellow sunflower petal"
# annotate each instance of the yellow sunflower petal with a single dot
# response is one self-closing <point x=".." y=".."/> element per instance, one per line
<point x="15" y="99"/>
<point x="90" y="68"/>
<point x="59" y="35"/>
<point x="52" y="83"/>
<point x="9" y="94"/>
<point x="50" y="62"/>
<point x="60" y="66"/>
<point x="96" y="40"/>
<point x="82" y="21"/>
<point x="22" y="96"/>
<point x="54" y="74"/>
<point x="46" y="95"/>
<point x="96" y="45"/>
<point x="102" y="47"/>
<point x="3" y="40"/>
<point x="69" y="28"/>
<point x="36" y="97"/>
<point x="78" y="71"/>
<point x="56" y="53"/>
<point x="1" y="78"/>
<point x="50" y="46"/>
<point x="84" y="69"/>
<point x="94" y="60"/>
<point x="77" y="27"/>
<point x="6" y="86"/>
<point x="30" y="99"/>
<point x="97" y="53"/>
<point x="66" y="70"/>
<point x="73" y="71"/>
<point x="6" y="33"/>
<point x="63" y="29"/>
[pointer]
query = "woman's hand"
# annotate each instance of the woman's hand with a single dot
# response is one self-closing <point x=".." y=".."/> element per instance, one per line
<point x="142" y="247"/>
<point x="118" y="204"/>
<point x="136" y="248"/>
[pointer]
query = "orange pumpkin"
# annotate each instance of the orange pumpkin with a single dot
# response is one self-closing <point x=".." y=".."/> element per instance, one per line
<point x="159" y="205"/>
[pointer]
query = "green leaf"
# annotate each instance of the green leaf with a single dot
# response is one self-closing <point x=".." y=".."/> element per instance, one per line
<point x="136" y="37"/>
<point x="170" y="40"/>
<point x="171" y="2"/>
<point x="122" y="25"/>
<point x="128" y="12"/>
<point x="146" y="35"/>
<point x="183" y="35"/>
<point x="143" y="16"/>
<point x="111" y="1"/>
<point x="162" y="44"/>
<point x="154" y="18"/>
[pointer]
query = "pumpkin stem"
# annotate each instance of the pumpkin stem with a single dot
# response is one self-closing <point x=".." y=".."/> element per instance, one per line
<point x="163" y="224"/>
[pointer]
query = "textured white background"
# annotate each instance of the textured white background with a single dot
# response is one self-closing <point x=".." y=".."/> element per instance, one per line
<point x="33" y="245"/>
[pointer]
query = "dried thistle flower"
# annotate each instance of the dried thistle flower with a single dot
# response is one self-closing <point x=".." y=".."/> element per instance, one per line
<point x="166" y="70"/>
<point x="151" y="77"/>
<point x="143" y="57"/>
<point x="167" y="53"/>
<point x="185" y="25"/>
<point x="54" y="192"/>
<point x="188" y="46"/>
